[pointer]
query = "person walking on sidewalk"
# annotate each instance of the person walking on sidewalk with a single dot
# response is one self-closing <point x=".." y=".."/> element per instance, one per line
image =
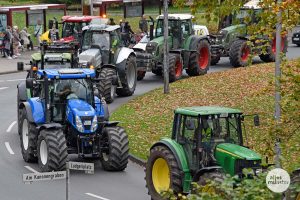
<point x="16" y="41"/>
<point x="7" y="43"/>
<point x="24" y="38"/>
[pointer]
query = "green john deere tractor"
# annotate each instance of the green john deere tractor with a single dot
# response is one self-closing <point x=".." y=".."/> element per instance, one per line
<point x="187" y="50"/>
<point x="206" y="143"/>
<point x="231" y="41"/>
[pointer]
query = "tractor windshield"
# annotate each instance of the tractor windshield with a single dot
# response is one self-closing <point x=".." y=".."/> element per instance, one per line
<point x="220" y="130"/>
<point x="174" y="27"/>
<point x="96" y="39"/>
<point x="72" y="28"/>
<point x="250" y="15"/>
<point x="66" y="89"/>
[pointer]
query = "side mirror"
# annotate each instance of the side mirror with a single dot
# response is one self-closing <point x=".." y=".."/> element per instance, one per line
<point x="29" y="83"/>
<point x="256" y="120"/>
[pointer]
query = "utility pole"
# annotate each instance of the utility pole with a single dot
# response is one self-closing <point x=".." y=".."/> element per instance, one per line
<point x="166" y="49"/>
<point x="277" y="81"/>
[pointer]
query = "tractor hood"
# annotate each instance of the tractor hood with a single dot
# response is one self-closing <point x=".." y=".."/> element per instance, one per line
<point x="82" y="116"/>
<point x="90" y="57"/>
<point x="237" y="151"/>
<point x="235" y="28"/>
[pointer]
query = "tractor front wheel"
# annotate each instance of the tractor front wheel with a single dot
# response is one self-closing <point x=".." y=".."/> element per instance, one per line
<point x="271" y="50"/>
<point x="28" y="137"/>
<point x="175" y="67"/>
<point x="105" y="86"/>
<point x="52" y="150"/>
<point x="200" y="60"/>
<point x="115" y="149"/>
<point x="162" y="172"/>
<point x="239" y="53"/>
<point x="128" y="87"/>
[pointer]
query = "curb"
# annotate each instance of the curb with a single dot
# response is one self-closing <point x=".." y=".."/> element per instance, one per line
<point x="10" y="72"/>
<point x="137" y="160"/>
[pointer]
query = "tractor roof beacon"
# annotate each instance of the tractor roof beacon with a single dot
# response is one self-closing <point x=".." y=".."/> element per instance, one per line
<point x="187" y="50"/>
<point x="206" y="143"/>
<point x="232" y="39"/>
<point x="102" y="48"/>
<point x="66" y="117"/>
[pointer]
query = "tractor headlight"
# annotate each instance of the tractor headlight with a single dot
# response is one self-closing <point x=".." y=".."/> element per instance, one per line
<point x="94" y="124"/>
<point x="79" y="124"/>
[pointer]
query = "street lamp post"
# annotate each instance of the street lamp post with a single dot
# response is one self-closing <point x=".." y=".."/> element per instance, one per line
<point x="166" y="49"/>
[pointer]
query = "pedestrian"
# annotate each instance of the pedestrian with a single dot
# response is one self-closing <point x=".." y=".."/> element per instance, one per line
<point x="111" y="22"/>
<point x="143" y="24"/>
<point x="24" y="38"/>
<point x="53" y="34"/>
<point x="7" y="43"/>
<point x="16" y="42"/>
<point x="125" y="32"/>
<point x="38" y="30"/>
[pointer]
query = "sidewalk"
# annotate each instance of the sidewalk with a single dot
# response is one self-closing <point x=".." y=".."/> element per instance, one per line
<point x="10" y="66"/>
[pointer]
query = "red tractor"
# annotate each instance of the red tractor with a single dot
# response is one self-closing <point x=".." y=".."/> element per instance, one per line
<point x="72" y="26"/>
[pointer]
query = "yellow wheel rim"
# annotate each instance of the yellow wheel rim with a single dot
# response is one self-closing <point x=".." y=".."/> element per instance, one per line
<point x="161" y="175"/>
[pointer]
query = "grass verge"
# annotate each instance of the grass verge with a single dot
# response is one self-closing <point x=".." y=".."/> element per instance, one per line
<point x="149" y="117"/>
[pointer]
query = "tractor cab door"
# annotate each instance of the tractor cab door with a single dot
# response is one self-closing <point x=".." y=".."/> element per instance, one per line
<point x="186" y="29"/>
<point x="176" y="33"/>
<point x="115" y="44"/>
<point x="188" y="139"/>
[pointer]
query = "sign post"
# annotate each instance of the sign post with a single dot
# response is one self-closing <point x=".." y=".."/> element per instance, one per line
<point x="166" y="49"/>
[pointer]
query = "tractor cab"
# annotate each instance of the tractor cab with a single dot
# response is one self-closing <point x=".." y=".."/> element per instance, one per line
<point x="99" y="44"/>
<point x="180" y="27"/>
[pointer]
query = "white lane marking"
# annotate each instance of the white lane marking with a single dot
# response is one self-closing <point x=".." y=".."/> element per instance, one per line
<point x="96" y="196"/>
<point x="11" y="126"/>
<point x="9" y="148"/>
<point x="31" y="169"/>
<point x="12" y="80"/>
<point x="3" y="88"/>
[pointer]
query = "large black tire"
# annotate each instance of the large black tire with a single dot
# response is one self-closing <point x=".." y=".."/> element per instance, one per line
<point x="200" y="60"/>
<point x="298" y="45"/>
<point x="215" y="60"/>
<point x="115" y="149"/>
<point x="271" y="50"/>
<point x="106" y="111"/>
<point x="52" y="150"/>
<point x="157" y="72"/>
<point x="28" y="137"/>
<point x="175" y="175"/>
<point x="239" y="53"/>
<point x="105" y="85"/>
<point x="141" y="75"/>
<point x="291" y="194"/>
<point x="128" y="88"/>
<point x="175" y="67"/>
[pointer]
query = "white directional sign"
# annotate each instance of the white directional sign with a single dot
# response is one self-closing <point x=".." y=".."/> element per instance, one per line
<point x="47" y="176"/>
<point x="87" y="167"/>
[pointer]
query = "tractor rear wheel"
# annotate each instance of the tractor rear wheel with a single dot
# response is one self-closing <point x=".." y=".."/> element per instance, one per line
<point x="239" y="53"/>
<point x="175" y="67"/>
<point x="128" y="88"/>
<point x="52" y="150"/>
<point x="28" y="137"/>
<point x="271" y="50"/>
<point x="200" y="60"/>
<point x="162" y="172"/>
<point x="291" y="194"/>
<point x="105" y="86"/>
<point x="115" y="149"/>
<point x="141" y="75"/>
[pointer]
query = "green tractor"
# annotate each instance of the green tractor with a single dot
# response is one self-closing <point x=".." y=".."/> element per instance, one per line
<point x="206" y="143"/>
<point x="231" y="41"/>
<point x="187" y="50"/>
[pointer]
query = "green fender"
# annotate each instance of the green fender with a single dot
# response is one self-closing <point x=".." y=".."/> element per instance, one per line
<point x="181" y="159"/>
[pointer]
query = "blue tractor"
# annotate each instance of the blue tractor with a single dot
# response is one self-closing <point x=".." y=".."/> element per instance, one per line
<point x="59" y="113"/>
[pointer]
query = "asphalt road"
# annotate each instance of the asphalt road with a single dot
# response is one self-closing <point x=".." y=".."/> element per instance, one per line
<point x="127" y="185"/>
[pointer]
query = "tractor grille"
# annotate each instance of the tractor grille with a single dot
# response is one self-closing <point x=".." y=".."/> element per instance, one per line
<point x="151" y="47"/>
<point x="86" y="118"/>
<point x="242" y="164"/>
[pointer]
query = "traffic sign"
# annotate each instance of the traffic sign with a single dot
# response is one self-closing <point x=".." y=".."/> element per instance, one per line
<point x="47" y="176"/>
<point x="87" y="167"/>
